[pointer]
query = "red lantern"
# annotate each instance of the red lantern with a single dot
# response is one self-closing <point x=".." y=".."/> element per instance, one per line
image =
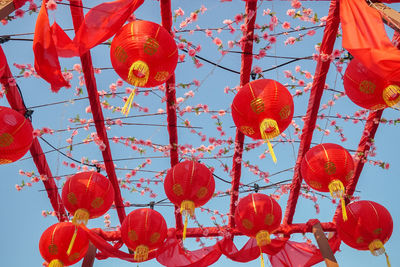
<point x="369" y="227"/>
<point x="368" y="90"/>
<point x="16" y="135"/>
<point x="144" y="54"/>
<point x="143" y="230"/>
<point x="258" y="215"/>
<point x="54" y="243"/>
<point x="87" y="195"/>
<point x="188" y="185"/>
<point x="262" y="109"/>
<point x="328" y="168"/>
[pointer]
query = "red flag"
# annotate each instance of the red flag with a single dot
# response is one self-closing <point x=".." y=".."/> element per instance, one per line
<point x="46" y="59"/>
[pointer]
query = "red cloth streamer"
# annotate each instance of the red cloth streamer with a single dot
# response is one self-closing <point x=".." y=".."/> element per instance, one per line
<point x="98" y="117"/>
<point x="100" y="23"/>
<point x="170" y="93"/>
<point x="46" y="60"/>
<point x="328" y="41"/>
<point x="108" y="250"/>
<point x="19" y="3"/>
<point x="247" y="59"/>
<point x="15" y="100"/>
<point x="301" y="254"/>
<point x="364" y="36"/>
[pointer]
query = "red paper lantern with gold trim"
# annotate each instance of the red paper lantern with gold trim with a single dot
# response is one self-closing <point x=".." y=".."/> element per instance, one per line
<point x="55" y="241"/>
<point x="144" y="54"/>
<point x="188" y="185"/>
<point x="367" y="89"/>
<point x="87" y="195"/>
<point x="143" y="230"/>
<point x="328" y="168"/>
<point x="16" y="135"/>
<point x="257" y="215"/>
<point x="263" y="109"/>
<point x="369" y="226"/>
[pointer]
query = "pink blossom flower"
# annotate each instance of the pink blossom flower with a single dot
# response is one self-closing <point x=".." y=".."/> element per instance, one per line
<point x="19" y="13"/>
<point x="182" y="57"/>
<point x="238" y="18"/>
<point x="192" y="52"/>
<point x="311" y="32"/>
<point x="286" y="25"/>
<point x="231" y="44"/>
<point x="290" y="12"/>
<point x="208" y="32"/>
<point x="217" y="41"/>
<point x="179" y="12"/>
<point x="290" y="41"/>
<point x="51" y="5"/>
<point x="193" y="16"/>
<point x="296" y="4"/>
<point x="272" y="39"/>
<point x="257" y="69"/>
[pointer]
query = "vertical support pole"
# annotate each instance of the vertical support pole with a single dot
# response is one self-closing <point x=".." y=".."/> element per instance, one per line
<point x="88" y="260"/>
<point x="323" y="246"/>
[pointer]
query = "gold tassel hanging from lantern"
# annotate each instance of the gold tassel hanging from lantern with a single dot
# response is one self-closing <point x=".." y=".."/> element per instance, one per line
<point x="187" y="209"/>
<point x="269" y="130"/>
<point x="81" y="216"/>
<point x="377" y="248"/>
<point x="336" y="188"/>
<point x="263" y="238"/>
<point x="391" y="95"/>
<point x="128" y="104"/>
<point x="141" y="253"/>
<point x="56" y="263"/>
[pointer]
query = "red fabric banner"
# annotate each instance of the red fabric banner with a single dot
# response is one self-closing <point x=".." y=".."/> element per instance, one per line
<point x="282" y="253"/>
<point x="301" y="254"/>
<point x="100" y="23"/>
<point x="44" y="49"/>
<point x="364" y="36"/>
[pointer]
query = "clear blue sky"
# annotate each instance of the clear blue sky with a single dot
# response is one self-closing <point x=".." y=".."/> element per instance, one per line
<point x="22" y="222"/>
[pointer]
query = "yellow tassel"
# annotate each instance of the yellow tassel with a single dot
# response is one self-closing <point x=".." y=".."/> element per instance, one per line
<point x="262" y="258"/>
<point x="271" y="150"/>
<point x="141" y="253"/>
<point x="56" y="263"/>
<point x="391" y="95"/>
<point x="187" y="208"/>
<point x="376" y="247"/>
<point x="81" y="216"/>
<point x="128" y="104"/>
<point x="336" y="188"/>
<point x="71" y="244"/>
<point x="344" y="212"/>
<point x="185" y="227"/>
<point x="269" y="130"/>
<point x="387" y="260"/>
<point x="138" y="67"/>
<point x="263" y="238"/>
